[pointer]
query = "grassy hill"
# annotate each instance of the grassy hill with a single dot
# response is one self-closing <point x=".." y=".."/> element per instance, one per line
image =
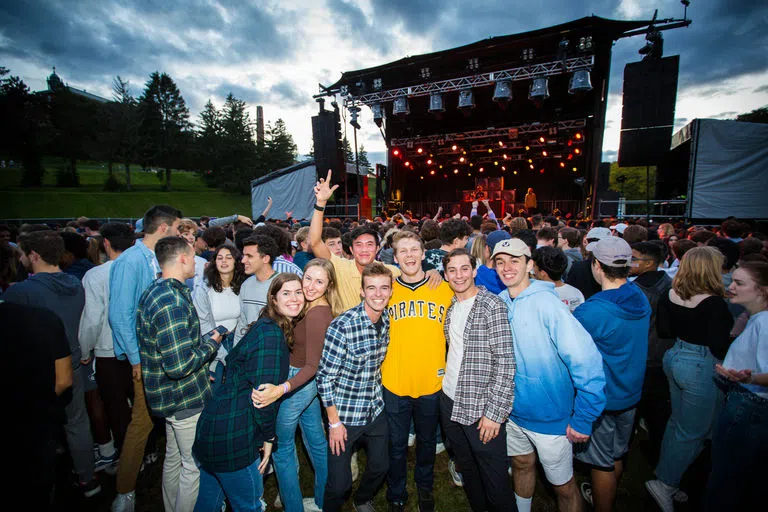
<point x="189" y="194"/>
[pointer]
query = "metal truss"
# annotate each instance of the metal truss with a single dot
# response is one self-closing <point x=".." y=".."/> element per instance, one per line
<point x="456" y="84"/>
<point x="445" y="138"/>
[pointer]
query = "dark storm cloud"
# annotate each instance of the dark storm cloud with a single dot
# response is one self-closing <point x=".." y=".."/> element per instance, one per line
<point x="288" y="95"/>
<point x="762" y="88"/>
<point x="247" y="94"/>
<point x="354" y="25"/>
<point x="105" y="38"/>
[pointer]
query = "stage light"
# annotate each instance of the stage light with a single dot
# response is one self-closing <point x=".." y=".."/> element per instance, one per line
<point x="580" y="181"/>
<point x="463" y="151"/>
<point x="471" y="164"/>
<point x="580" y="82"/>
<point x="501" y="144"/>
<point x="570" y="143"/>
<point x="421" y="177"/>
<point x="514" y="172"/>
<point x="542" y="140"/>
<point x="432" y="172"/>
<point x="527" y="148"/>
<point x="505" y="156"/>
<point x="481" y="169"/>
<point x="445" y="175"/>
<point x="455" y="171"/>
<point x="407" y="163"/>
<point x="400" y="106"/>
<point x="495" y="162"/>
<point x="469" y="174"/>
<point x="539" y="89"/>
<point x="419" y="151"/>
<point x="440" y="166"/>
<point x="577" y="151"/>
<point x="574" y="169"/>
<point x="578" y="136"/>
<point x="490" y="150"/>
<point x="544" y="153"/>
<point x="396" y="152"/>
<point x="562" y="164"/>
<point x="530" y="161"/>
<point x="378" y="114"/>
<point x="436" y="103"/>
<point x="502" y="93"/>
<point x="353" y="113"/>
<point x="503" y="168"/>
<point x="462" y="159"/>
<point x="466" y="99"/>
<point x="429" y="162"/>
<point x="541" y="171"/>
<point x="454" y="147"/>
<point x="531" y="166"/>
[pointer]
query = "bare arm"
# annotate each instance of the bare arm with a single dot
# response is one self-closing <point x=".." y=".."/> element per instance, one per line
<point x="323" y="192"/>
<point x="63" y="369"/>
<point x="437" y="215"/>
<point x="269" y="206"/>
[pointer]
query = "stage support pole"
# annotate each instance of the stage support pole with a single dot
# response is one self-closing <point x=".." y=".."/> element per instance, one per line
<point x="647" y="193"/>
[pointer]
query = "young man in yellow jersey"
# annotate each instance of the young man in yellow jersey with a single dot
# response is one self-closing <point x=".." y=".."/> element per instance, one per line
<point x="412" y="371"/>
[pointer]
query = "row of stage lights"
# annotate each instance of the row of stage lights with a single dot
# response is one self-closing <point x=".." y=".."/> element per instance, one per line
<point x="538" y="92"/>
<point x="456" y="171"/>
<point x="464" y="158"/>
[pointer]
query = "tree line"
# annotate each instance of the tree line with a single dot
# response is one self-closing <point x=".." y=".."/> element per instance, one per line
<point x="153" y="130"/>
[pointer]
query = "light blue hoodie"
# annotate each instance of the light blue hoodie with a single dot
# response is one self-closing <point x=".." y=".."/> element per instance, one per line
<point x="618" y="322"/>
<point x="559" y="379"/>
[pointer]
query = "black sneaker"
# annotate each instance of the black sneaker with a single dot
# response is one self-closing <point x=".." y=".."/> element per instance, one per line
<point x="396" y="506"/>
<point x="426" y="501"/>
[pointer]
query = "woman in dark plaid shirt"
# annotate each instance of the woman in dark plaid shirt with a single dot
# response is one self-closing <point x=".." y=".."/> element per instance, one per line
<point x="231" y="432"/>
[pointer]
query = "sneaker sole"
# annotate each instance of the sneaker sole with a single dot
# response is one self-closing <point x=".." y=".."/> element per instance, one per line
<point x="655" y="497"/>
<point x="93" y="492"/>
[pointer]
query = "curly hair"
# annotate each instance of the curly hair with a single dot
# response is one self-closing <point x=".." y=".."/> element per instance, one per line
<point x="213" y="276"/>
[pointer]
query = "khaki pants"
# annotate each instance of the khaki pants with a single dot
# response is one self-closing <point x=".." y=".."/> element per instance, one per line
<point x="132" y="454"/>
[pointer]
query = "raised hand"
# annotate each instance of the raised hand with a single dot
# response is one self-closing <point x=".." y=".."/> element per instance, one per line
<point x="323" y="189"/>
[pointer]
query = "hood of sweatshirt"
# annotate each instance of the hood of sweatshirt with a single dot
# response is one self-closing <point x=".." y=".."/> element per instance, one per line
<point x="627" y="302"/>
<point x="58" y="283"/>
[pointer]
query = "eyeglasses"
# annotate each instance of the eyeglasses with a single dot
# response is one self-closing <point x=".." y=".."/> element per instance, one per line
<point x="641" y="259"/>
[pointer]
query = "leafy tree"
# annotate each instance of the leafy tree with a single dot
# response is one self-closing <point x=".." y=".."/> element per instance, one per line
<point x="759" y="115"/>
<point x="165" y="125"/>
<point x="634" y="185"/>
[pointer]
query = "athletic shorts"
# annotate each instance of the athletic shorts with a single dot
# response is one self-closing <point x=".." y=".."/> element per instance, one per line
<point x="609" y="441"/>
<point x="89" y="375"/>
<point x="555" y="452"/>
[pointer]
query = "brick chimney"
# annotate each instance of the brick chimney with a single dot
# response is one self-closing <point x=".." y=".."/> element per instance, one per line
<point x="259" y="125"/>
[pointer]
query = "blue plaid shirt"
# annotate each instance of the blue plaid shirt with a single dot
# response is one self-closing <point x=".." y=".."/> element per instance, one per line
<point x="283" y="265"/>
<point x="349" y="375"/>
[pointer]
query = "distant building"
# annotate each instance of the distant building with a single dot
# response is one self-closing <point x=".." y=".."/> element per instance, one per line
<point x="55" y="83"/>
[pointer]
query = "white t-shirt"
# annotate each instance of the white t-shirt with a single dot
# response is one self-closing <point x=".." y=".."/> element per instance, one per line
<point x="459" y="316"/>
<point x="750" y="351"/>
<point x="570" y="295"/>
<point x="225" y="307"/>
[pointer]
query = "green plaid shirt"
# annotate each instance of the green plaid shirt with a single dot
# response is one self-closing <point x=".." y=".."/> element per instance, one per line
<point x="173" y="355"/>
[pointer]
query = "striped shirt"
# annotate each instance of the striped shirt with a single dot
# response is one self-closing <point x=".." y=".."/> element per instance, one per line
<point x="349" y="374"/>
<point x="173" y="355"/>
<point x="283" y="265"/>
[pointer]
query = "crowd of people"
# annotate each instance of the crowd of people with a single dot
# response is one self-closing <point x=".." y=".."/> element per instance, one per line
<point x="505" y="342"/>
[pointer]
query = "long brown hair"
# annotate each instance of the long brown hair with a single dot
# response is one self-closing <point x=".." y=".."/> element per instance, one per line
<point x="270" y="310"/>
<point x="213" y="276"/>
<point x="758" y="271"/>
<point x="332" y="291"/>
<point x="700" y="273"/>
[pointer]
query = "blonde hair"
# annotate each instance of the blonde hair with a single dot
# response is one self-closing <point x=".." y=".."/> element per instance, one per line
<point x="700" y="273"/>
<point x="517" y="224"/>
<point x="667" y="228"/>
<point x="478" y="249"/>
<point x="332" y="291"/>
<point x="187" y="225"/>
<point x="402" y="235"/>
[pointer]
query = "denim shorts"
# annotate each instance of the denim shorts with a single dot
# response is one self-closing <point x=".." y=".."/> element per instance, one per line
<point x="609" y="441"/>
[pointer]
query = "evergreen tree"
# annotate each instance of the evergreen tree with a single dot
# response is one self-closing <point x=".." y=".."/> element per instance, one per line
<point x="165" y="125"/>
<point x="238" y="146"/>
<point x="123" y="120"/>
<point x="349" y="155"/>
<point x="208" y="147"/>
<point x="362" y="157"/>
<point x="281" y="150"/>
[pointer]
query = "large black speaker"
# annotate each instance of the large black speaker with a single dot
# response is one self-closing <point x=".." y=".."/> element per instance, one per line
<point x="603" y="177"/>
<point x="328" y="153"/>
<point x="648" y="110"/>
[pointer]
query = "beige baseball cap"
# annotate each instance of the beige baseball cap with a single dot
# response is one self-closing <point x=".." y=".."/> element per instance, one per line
<point x="512" y="247"/>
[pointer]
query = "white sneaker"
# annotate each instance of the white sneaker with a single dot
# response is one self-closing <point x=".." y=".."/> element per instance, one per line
<point x="278" y="502"/>
<point x="411" y="440"/>
<point x="124" y="502"/>
<point x="310" y="505"/>
<point x="439" y="448"/>
<point x="353" y="467"/>
<point x="661" y="494"/>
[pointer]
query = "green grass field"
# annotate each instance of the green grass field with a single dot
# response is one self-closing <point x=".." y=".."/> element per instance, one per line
<point x="189" y="194"/>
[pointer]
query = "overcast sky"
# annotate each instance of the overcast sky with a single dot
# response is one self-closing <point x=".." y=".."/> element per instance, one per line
<point x="274" y="53"/>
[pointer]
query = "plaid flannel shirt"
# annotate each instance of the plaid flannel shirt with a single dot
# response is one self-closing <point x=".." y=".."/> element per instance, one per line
<point x="486" y="382"/>
<point x="349" y="374"/>
<point x="231" y="430"/>
<point x="173" y="355"/>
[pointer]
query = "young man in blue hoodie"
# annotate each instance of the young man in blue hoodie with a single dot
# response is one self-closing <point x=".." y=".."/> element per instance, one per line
<point x="617" y="318"/>
<point x="559" y="380"/>
<point x="50" y="288"/>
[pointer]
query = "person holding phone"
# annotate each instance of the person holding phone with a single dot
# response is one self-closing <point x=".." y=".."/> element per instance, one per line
<point x="234" y="440"/>
<point x="301" y="405"/>
<point x="223" y="277"/>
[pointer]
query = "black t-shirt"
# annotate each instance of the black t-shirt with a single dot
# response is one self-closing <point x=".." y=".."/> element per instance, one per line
<point x="580" y="276"/>
<point x="33" y="339"/>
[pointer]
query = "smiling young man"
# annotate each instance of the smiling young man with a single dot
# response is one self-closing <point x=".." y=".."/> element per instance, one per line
<point x="559" y="380"/>
<point x="259" y="251"/>
<point x="349" y="384"/>
<point x="478" y="387"/>
<point x="412" y="372"/>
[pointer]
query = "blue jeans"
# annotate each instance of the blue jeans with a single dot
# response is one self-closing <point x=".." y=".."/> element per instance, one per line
<point x="739" y="452"/>
<point x="301" y="407"/>
<point x="425" y="412"/>
<point x="694" y="398"/>
<point x="243" y="488"/>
